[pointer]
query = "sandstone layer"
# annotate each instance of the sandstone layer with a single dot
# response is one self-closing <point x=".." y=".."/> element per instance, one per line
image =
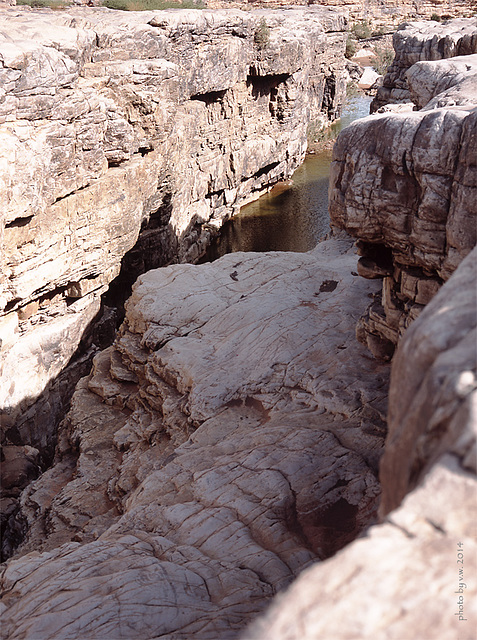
<point x="229" y="437"/>
<point x="413" y="576"/>
<point x="134" y="134"/>
<point x="378" y="14"/>
<point x="404" y="184"/>
<point x="423" y="41"/>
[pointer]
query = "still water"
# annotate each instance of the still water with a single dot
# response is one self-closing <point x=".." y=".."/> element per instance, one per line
<point x="291" y="217"/>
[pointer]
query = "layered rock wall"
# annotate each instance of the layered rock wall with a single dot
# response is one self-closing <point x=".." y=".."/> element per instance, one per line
<point x="375" y="12"/>
<point x="229" y="437"/>
<point x="423" y="41"/>
<point x="404" y="184"/>
<point x="119" y="125"/>
<point x="232" y="434"/>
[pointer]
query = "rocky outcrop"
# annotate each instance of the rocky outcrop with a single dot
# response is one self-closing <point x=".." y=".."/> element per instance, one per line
<point x="134" y="134"/>
<point x="424" y="41"/>
<point x="434" y="410"/>
<point x="378" y="14"/>
<point x="229" y="437"/>
<point x="403" y="184"/>
<point x="375" y="586"/>
<point x="380" y="585"/>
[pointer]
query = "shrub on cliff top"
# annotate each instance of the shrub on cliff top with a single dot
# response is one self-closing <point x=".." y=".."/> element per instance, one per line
<point x="262" y="34"/>
<point x="362" y="30"/>
<point x="43" y="4"/>
<point x="384" y="57"/>
<point x="351" y="47"/>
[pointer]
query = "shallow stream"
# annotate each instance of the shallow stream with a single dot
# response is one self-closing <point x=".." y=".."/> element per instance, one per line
<point x="291" y="217"/>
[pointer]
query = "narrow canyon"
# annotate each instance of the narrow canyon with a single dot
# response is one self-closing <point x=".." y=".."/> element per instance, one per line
<point x="271" y="445"/>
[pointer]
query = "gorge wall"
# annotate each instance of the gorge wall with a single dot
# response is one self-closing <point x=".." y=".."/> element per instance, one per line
<point x="403" y="183"/>
<point x="375" y="12"/>
<point x="233" y="434"/>
<point x="126" y="140"/>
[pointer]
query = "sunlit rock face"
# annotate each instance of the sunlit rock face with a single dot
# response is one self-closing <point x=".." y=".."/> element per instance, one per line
<point x="404" y="182"/>
<point x="428" y="521"/>
<point x="423" y="41"/>
<point x="229" y="438"/>
<point x="134" y="133"/>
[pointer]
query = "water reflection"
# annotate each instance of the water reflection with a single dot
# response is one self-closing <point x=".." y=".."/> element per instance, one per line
<point x="291" y="217"/>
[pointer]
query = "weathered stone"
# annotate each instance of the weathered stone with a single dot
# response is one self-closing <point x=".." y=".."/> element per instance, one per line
<point x="229" y="437"/>
<point x="407" y="180"/>
<point x="436" y="406"/>
<point x="370" y="588"/>
<point x="421" y="41"/>
<point x="433" y="84"/>
<point x="120" y="124"/>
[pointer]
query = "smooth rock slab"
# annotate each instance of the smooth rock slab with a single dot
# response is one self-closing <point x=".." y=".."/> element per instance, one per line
<point x="229" y="438"/>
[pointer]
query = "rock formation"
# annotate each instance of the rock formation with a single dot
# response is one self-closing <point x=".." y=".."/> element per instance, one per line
<point x="424" y="41"/>
<point x="377" y="13"/>
<point x="126" y="139"/>
<point x="229" y="437"/>
<point x="413" y="576"/>
<point x="232" y="434"/>
<point x="404" y="184"/>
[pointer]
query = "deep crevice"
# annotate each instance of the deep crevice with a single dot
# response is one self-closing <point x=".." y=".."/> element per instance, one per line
<point x="19" y="222"/>
<point x="209" y="97"/>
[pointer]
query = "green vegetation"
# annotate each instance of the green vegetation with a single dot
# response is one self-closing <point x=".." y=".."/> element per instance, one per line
<point x="436" y="17"/>
<point x="384" y="57"/>
<point x="319" y="134"/>
<point x="43" y="4"/>
<point x="262" y="34"/>
<point x="151" y="5"/>
<point x="351" y="47"/>
<point x="361" y="30"/>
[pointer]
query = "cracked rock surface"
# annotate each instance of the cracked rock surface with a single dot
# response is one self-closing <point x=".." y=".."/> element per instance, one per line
<point x="413" y="575"/>
<point x="228" y="439"/>
<point x="405" y="183"/>
<point x="135" y="133"/>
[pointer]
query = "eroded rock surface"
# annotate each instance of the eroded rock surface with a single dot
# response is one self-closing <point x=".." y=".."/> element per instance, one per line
<point x="230" y="437"/>
<point x="117" y="125"/>
<point x="413" y="576"/>
<point x="419" y="41"/>
<point x="405" y="185"/>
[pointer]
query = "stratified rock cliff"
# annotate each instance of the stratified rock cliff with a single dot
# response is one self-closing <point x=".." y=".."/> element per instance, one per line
<point x="375" y="12"/>
<point x="404" y="184"/>
<point x="423" y="41"/>
<point x="232" y="434"/>
<point x="413" y="576"/>
<point x="229" y="437"/>
<point x="117" y="126"/>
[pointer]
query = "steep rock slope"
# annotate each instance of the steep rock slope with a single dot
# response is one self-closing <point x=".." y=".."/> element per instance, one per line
<point x="116" y="122"/>
<point x="405" y="185"/>
<point x="412" y="576"/>
<point x="229" y="437"/>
